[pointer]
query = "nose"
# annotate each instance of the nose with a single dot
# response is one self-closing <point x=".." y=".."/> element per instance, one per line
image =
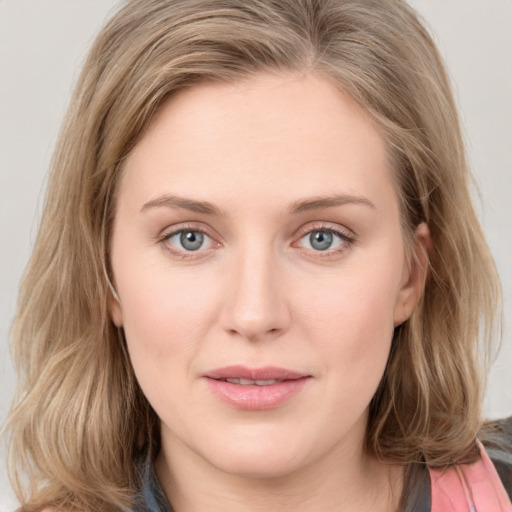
<point x="256" y="306"/>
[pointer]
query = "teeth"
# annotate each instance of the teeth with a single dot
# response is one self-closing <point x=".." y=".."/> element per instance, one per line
<point x="248" y="382"/>
<point x="265" y="382"/>
<point x="233" y="381"/>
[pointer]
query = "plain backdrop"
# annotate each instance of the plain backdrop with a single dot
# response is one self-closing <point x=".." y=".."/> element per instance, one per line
<point x="43" y="43"/>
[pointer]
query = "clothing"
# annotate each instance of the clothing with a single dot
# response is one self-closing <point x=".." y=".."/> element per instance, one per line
<point x="483" y="486"/>
<point x="475" y="487"/>
<point x="150" y="497"/>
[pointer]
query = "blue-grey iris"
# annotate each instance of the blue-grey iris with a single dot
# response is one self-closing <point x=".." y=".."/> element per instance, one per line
<point x="191" y="240"/>
<point x="320" y="240"/>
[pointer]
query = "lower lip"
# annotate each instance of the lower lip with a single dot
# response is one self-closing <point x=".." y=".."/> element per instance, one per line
<point x="256" y="398"/>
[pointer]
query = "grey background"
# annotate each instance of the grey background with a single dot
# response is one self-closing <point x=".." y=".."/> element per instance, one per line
<point x="43" y="42"/>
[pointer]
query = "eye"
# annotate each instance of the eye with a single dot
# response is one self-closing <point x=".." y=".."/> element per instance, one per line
<point x="187" y="240"/>
<point x="320" y="240"/>
<point x="326" y="240"/>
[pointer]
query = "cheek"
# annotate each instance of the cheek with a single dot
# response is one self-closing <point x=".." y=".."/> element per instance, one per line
<point x="161" y="336"/>
<point x="356" y="310"/>
<point x="351" y="323"/>
<point x="165" y="317"/>
<point x="158" y="298"/>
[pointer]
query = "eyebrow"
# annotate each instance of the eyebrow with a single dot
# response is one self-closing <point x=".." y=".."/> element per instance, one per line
<point x="320" y="203"/>
<point x="299" y="206"/>
<point x="182" y="202"/>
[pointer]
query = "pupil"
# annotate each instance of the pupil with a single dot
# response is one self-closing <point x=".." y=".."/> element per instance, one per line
<point x="320" y="240"/>
<point x="191" y="240"/>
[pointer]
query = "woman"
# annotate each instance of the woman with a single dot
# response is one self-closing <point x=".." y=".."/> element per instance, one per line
<point x="250" y="287"/>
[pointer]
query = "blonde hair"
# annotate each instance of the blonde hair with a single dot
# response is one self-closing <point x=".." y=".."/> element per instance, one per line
<point x="79" y="416"/>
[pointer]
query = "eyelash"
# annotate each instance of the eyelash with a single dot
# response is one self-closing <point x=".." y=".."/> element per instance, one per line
<point x="347" y="240"/>
<point x="180" y="254"/>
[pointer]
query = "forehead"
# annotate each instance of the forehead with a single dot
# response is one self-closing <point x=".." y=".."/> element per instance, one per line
<point x="276" y="136"/>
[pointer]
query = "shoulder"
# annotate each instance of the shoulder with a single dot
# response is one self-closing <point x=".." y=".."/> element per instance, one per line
<point x="438" y="489"/>
<point x="497" y="440"/>
<point x="485" y="483"/>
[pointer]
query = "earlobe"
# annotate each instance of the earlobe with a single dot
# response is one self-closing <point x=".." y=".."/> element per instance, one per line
<point x="114" y="307"/>
<point x="413" y="284"/>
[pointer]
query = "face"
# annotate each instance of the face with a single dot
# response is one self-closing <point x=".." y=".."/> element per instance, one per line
<point x="258" y="259"/>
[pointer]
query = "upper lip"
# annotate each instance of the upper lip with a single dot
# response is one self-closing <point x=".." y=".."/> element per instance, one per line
<point x="263" y="373"/>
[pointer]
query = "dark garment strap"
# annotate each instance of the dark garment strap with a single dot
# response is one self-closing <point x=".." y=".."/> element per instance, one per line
<point x="150" y="497"/>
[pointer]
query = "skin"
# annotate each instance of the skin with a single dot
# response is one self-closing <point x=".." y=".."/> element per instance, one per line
<point x="258" y="293"/>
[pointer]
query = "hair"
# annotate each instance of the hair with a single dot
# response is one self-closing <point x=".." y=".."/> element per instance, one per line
<point x="80" y="417"/>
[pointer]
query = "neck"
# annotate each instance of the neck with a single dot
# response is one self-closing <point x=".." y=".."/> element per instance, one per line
<point x="344" y="480"/>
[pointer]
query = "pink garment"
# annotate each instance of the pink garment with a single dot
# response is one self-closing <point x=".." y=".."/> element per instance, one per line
<point x="472" y="487"/>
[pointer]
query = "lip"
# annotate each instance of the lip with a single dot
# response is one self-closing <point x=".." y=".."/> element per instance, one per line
<point x="251" y="396"/>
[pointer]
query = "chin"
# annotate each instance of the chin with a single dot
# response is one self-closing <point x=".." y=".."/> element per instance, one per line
<point x="258" y="467"/>
<point x="261" y="457"/>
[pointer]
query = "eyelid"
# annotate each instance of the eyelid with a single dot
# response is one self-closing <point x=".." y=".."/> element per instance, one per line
<point x="173" y="230"/>
<point x="345" y="233"/>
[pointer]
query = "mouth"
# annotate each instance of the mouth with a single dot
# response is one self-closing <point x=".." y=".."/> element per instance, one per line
<point x="249" y="382"/>
<point x="246" y="376"/>
<point x="255" y="388"/>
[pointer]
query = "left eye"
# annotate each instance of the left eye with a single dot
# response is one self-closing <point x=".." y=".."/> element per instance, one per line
<point x="189" y="240"/>
<point x="323" y="240"/>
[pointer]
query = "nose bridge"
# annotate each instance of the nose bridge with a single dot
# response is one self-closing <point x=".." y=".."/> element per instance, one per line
<point x="257" y="306"/>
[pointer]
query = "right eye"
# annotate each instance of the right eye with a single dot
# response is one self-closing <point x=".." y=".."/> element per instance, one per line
<point x="186" y="241"/>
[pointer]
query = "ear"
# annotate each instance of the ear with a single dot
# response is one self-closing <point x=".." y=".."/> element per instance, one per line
<point x="415" y="275"/>
<point x="114" y="307"/>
